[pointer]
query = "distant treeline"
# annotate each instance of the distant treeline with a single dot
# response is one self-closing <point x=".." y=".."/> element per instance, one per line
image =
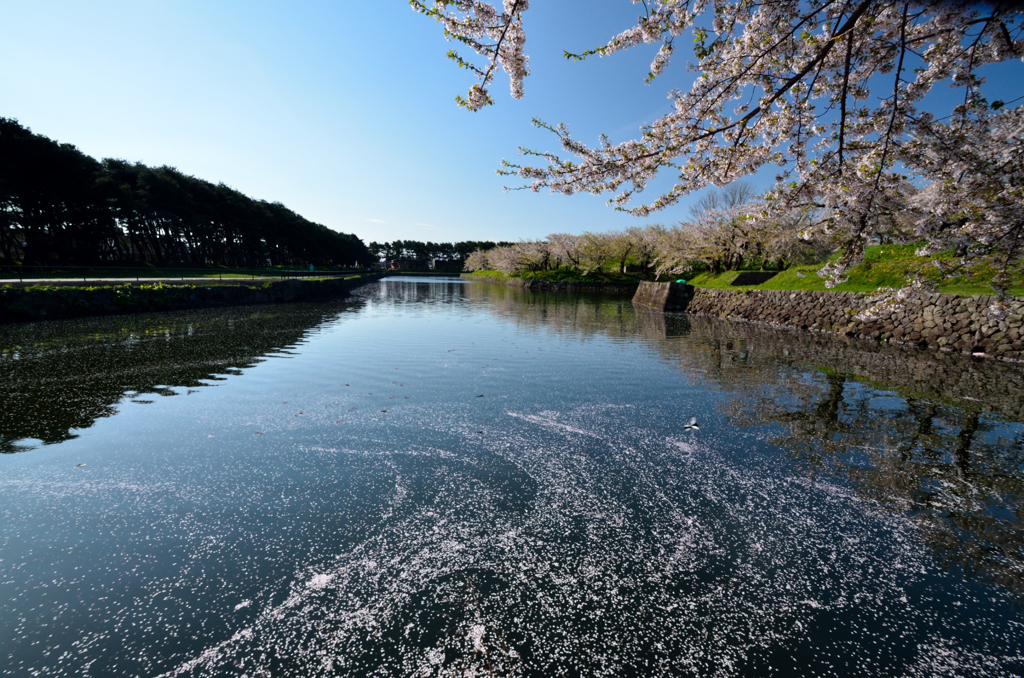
<point x="415" y="254"/>
<point x="60" y="206"/>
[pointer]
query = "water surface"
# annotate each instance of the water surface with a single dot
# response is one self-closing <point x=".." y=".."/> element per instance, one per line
<point x="448" y="478"/>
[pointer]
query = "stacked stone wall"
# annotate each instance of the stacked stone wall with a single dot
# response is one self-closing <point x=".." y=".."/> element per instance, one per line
<point x="937" y="321"/>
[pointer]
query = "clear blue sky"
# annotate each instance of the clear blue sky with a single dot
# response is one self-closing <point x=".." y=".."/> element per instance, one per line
<point x="344" y="111"/>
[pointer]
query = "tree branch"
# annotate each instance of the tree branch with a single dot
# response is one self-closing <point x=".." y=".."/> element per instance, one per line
<point x="842" y="100"/>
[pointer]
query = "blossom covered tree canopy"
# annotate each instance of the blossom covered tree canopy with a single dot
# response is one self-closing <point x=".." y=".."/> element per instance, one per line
<point x="834" y="93"/>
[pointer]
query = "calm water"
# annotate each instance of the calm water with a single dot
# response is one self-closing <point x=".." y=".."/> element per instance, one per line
<point x="447" y="478"/>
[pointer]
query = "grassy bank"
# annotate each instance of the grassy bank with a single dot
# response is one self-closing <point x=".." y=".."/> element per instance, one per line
<point x="49" y="302"/>
<point x="883" y="266"/>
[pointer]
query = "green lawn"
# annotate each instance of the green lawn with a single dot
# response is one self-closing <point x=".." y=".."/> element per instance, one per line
<point x="883" y="266"/>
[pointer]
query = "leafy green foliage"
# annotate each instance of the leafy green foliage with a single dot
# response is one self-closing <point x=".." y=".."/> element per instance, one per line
<point x="416" y="254"/>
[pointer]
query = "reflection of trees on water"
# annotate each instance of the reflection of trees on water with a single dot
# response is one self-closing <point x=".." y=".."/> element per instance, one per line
<point x="62" y="376"/>
<point x="957" y="471"/>
<point x="731" y="353"/>
<point x="934" y="436"/>
<point x="415" y="292"/>
<point x="581" y="315"/>
<point x="821" y="425"/>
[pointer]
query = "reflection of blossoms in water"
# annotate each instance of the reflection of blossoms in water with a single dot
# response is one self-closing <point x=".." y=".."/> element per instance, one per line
<point x="830" y="424"/>
<point x="950" y="468"/>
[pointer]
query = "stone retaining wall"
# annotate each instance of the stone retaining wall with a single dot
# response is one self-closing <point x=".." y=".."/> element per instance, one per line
<point x="937" y="321"/>
<point x="663" y="296"/>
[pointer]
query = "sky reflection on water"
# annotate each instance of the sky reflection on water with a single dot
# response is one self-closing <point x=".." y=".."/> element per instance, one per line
<point x="439" y="478"/>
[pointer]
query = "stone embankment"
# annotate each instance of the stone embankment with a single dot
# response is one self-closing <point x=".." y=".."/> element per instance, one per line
<point x="558" y="286"/>
<point x="937" y="321"/>
<point x="42" y="302"/>
<point x="664" y="296"/>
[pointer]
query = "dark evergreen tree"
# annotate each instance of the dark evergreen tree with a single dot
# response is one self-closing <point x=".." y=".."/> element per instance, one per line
<point x="415" y="254"/>
<point x="60" y="206"/>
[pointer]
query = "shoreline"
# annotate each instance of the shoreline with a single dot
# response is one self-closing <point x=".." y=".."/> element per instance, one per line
<point x="19" y="303"/>
<point x="558" y="286"/>
<point x="939" y="322"/>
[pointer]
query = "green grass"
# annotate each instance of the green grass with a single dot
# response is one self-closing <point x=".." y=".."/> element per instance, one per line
<point x="883" y="266"/>
<point x="487" y="274"/>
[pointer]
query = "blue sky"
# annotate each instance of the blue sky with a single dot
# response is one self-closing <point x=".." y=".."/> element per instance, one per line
<point x="344" y="111"/>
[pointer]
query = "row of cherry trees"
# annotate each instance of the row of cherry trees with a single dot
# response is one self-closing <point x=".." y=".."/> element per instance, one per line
<point x="682" y="248"/>
<point x="720" y="235"/>
<point x="60" y="206"/>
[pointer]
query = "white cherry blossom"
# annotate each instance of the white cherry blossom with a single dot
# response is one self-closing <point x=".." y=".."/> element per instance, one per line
<point x="832" y="93"/>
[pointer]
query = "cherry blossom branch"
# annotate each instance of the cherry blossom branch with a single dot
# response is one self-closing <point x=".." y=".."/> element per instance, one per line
<point x="478" y="23"/>
<point x="951" y="179"/>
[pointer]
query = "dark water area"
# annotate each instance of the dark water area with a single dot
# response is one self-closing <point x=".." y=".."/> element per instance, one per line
<point x="442" y="478"/>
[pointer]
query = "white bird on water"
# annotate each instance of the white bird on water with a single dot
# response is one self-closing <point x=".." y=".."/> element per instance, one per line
<point x="692" y="425"/>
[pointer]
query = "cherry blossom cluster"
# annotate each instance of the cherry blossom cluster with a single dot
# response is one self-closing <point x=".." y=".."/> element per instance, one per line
<point x="636" y="246"/>
<point x="831" y="93"/>
<point x="496" y="36"/>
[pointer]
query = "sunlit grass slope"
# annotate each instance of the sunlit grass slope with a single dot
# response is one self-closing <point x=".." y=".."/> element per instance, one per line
<point x="883" y="266"/>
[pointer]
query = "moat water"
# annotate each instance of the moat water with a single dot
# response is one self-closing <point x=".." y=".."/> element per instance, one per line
<point x="436" y="477"/>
